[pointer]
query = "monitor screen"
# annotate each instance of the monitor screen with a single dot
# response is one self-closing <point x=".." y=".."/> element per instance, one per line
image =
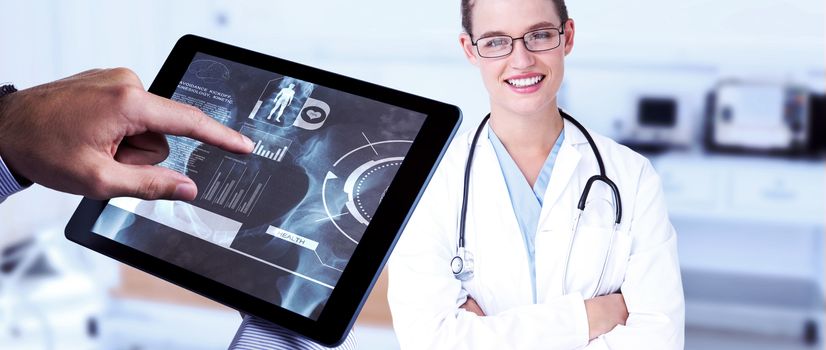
<point x="657" y="112"/>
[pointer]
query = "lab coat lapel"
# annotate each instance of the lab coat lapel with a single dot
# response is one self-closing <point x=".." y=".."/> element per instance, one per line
<point x="565" y="166"/>
<point x="502" y="248"/>
<point x="557" y="211"/>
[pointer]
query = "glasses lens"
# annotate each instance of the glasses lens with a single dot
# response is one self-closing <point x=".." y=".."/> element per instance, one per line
<point x="542" y="40"/>
<point x="494" y="46"/>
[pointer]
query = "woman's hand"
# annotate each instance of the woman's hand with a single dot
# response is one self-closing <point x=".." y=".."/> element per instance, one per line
<point x="471" y="306"/>
<point x="605" y="313"/>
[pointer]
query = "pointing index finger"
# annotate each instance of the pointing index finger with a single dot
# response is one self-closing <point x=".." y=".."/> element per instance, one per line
<point x="165" y="116"/>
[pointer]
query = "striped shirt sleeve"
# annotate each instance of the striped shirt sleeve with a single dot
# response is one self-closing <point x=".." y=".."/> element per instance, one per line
<point x="8" y="185"/>
<point x="257" y="334"/>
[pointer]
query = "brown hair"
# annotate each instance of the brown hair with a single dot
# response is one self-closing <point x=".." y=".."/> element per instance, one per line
<point x="467" y="6"/>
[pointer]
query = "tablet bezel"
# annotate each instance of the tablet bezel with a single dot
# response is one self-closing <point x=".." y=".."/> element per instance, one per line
<point x="370" y="255"/>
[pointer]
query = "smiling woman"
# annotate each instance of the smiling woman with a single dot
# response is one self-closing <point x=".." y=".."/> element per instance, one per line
<point x="535" y="279"/>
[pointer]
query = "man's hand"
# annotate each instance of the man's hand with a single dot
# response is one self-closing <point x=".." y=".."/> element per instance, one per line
<point x="605" y="313"/>
<point x="99" y="134"/>
<point x="471" y="306"/>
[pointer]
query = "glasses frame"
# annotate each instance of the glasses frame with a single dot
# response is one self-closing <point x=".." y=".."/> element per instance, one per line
<point x="561" y="32"/>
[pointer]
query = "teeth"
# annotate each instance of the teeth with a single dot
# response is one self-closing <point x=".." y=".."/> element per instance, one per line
<point x="525" y="82"/>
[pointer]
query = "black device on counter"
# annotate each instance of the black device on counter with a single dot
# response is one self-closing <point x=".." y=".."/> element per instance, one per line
<point x="298" y="231"/>
<point x="656" y="127"/>
<point x="817" y="120"/>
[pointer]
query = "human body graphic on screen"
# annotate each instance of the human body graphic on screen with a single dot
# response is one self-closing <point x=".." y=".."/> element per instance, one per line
<point x="282" y="100"/>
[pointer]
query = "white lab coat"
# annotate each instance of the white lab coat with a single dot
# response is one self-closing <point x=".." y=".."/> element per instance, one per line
<point x="425" y="297"/>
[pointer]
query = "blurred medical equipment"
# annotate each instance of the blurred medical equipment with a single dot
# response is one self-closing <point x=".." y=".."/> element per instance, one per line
<point x="817" y="118"/>
<point x="49" y="298"/>
<point x="758" y="117"/>
<point x="661" y="122"/>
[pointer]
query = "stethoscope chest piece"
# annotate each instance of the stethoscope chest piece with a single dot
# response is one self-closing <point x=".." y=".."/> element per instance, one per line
<point x="462" y="265"/>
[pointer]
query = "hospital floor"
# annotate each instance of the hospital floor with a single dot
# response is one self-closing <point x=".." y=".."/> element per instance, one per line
<point x="146" y="325"/>
<point x="703" y="339"/>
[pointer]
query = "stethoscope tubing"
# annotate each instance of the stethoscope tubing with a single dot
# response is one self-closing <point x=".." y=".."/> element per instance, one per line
<point x="602" y="177"/>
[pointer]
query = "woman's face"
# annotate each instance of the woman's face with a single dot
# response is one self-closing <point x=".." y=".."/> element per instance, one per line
<point x="506" y="77"/>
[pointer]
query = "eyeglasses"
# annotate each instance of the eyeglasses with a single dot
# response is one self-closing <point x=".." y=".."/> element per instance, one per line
<point x="535" y="41"/>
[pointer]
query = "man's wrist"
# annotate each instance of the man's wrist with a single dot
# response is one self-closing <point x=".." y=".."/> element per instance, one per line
<point x="5" y="90"/>
<point x="21" y="180"/>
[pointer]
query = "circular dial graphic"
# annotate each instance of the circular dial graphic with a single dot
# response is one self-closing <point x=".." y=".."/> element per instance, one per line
<point x="357" y="183"/>
<point x="362" y="184"/>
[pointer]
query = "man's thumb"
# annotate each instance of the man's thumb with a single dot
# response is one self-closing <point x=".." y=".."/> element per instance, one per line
<point x="153" y="182"/>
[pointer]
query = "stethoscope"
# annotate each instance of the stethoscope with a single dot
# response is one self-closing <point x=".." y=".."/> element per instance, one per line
<point x="462" y="263"/>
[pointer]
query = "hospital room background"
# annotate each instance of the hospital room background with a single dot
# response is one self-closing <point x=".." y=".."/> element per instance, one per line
<point x="725" y="97"/>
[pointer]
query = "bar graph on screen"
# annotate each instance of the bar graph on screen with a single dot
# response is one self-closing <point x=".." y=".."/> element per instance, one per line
<point x="267" y="145"/>
<point x="234" y="187"/>
<point x="277" y="156"/>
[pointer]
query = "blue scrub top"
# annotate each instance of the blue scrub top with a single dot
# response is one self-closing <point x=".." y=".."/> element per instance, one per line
<point x="526" y="201"/>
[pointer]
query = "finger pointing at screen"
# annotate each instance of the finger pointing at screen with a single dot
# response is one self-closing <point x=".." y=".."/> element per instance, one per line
<point x="99" y="134"/>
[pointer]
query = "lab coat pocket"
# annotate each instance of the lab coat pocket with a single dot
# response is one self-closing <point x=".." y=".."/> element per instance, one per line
<point x="618" y="263"/>
<point x="599" y="256"/>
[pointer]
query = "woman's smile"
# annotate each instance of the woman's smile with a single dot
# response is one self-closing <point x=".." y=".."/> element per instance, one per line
<point x="525" y="83"/>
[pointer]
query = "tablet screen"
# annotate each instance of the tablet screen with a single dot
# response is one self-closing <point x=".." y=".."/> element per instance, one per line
<point x="295" y="209"/>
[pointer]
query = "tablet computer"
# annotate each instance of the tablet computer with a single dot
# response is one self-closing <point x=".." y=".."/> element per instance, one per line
<point x="298" y="231"/>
